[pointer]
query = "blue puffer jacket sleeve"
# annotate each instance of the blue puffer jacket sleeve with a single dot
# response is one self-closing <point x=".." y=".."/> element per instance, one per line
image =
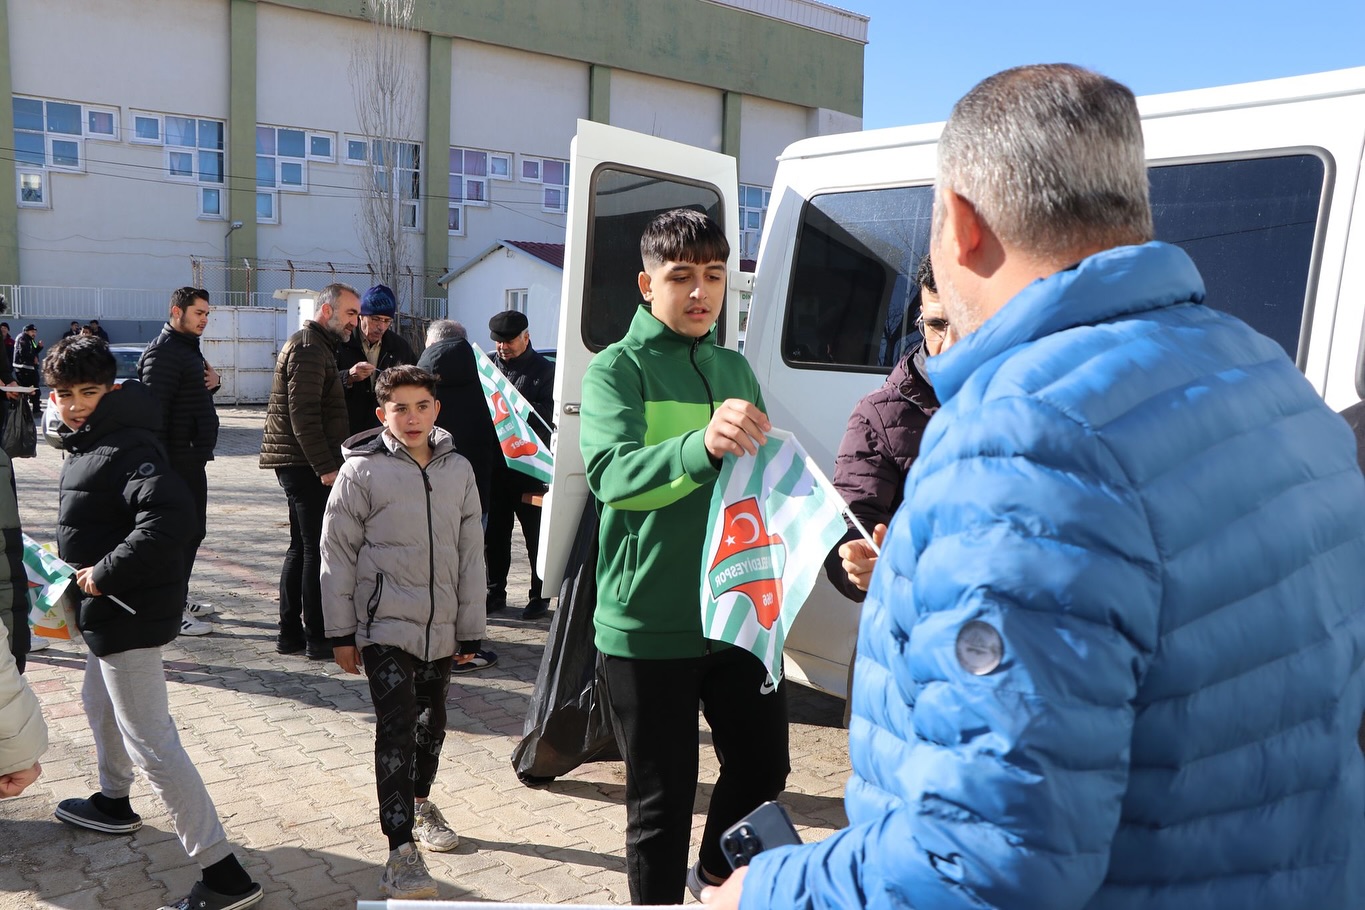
<point x="1021" y="772"/>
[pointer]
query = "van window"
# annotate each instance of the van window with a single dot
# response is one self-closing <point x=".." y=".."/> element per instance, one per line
<point x="852" y="305"/>
<point x="623" y="203"/>
<point x="1249" y="226"/>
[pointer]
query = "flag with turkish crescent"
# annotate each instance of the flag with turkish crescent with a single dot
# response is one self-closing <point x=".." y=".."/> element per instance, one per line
<point x="774" y="517"/>
<point x="512" y="416"/>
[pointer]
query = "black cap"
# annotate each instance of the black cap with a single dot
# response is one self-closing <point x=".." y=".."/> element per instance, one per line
<point x="507" y="326"/>
<point x="30" y="326"/>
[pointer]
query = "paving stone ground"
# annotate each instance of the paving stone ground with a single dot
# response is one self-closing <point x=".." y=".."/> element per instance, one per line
<point x="285" y="747"/>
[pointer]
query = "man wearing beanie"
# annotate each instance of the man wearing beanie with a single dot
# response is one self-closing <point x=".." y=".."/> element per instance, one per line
<point x="534" y="377"/>
<point x="375" y="348"/>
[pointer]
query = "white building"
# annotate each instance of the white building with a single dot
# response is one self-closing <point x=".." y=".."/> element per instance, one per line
<point x="520" y="275"/>
<point x="133" y="163"/>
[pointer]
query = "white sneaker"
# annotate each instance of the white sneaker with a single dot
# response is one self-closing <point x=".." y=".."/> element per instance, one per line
<point x="405" y="876"/>
<point x="37" y="643"/>
<point x="197" y="610"/>
<point x="431" y="830"/>
<point x="191" y="626"/>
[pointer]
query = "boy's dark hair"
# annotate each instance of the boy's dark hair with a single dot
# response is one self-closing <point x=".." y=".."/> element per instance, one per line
<point x="185" y="297"/>
<point x="683" y="235"/>
<point x="405" y="374"/>
<point x="79" y="360"/>
<point x="924" y="275"/>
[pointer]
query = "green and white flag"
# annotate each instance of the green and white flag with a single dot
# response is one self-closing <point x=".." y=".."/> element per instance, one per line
<point x="50" y="581"/>
<point x="512" y="417"/>
<point x="774" y="517"/>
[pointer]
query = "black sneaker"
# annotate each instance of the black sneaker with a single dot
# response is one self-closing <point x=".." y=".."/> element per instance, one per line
<point x="496" y="603"/>
<point x="536" y="608"/>
<point x="480" y="660"/>
<point x="202" y="897"/>
<point x="84" y="814"/>
<point x="318" y="652"/>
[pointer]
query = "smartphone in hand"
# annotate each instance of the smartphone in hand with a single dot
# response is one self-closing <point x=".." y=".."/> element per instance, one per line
<point x="766" y="827"/>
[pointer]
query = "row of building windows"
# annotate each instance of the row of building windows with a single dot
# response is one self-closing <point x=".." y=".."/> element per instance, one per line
<point x="472" y="171"/>
<point x="51" y="135"/>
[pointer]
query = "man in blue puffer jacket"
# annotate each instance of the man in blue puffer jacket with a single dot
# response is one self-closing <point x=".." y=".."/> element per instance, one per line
<point x="1112" y="653"/>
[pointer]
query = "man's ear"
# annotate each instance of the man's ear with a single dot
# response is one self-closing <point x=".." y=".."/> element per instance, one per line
<point x="379" y="413"/>
<point x="962" y="228"/>
<point x="644" y="282"/>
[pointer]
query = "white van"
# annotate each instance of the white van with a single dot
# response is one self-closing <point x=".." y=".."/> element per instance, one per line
<point x="1258" y="182"/>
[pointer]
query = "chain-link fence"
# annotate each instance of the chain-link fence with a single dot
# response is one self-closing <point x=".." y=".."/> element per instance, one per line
<point x="255" y="282"/>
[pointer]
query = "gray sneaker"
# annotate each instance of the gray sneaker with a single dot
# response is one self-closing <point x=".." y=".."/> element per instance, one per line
<point x="430" y="829"/>
<point x="406" y="877"/>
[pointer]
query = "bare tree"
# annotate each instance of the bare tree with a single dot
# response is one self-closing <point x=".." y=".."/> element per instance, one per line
<point x="385" y="84"/>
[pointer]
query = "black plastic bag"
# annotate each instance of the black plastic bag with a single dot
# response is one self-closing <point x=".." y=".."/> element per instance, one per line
<point x="21" y="439"/>
<point x="568" y="722"/>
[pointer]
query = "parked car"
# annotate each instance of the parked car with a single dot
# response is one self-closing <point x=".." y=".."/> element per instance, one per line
<point x="126" y="355"/>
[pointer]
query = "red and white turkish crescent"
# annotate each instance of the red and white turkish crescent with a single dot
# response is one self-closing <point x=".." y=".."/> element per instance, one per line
<point x="753" y="526"/>
<point x="500" y="405"/>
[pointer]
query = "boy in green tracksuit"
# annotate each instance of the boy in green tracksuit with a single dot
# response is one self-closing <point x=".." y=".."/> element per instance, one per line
<point x="661" y="407"/>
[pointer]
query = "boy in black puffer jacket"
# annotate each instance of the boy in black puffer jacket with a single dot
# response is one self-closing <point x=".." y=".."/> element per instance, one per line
<point x="122" y="519"/>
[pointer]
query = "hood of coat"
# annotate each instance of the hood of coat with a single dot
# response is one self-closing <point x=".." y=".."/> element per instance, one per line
<point x="380" y="442"/>
<point x="129" y="405"/>
<point x="452" y="361"/>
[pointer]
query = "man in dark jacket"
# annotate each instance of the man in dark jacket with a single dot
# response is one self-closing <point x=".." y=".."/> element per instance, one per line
<point x="464" y="408"/>
<point x="27" y="352"/>
<point x="534" y="377"/>
<point x="175" y="371"/>
<point x="305" y="425"/>
<point x="373" y="349"/>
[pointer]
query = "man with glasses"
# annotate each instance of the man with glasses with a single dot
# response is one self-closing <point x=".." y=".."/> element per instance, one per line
<point x="373" y="349"/>
<point x="174" y="369"/>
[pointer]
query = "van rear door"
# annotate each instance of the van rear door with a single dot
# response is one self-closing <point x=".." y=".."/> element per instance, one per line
<point x="619" y="180"/>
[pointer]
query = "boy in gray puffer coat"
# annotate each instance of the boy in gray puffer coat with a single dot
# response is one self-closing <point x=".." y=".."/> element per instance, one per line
<point x="402" y="590"/>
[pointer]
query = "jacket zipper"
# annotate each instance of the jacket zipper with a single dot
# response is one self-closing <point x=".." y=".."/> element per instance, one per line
<point x="692" y="356"/>
<point x="372" y="607"/>
<point x="431" y="552"/>
<point x="431" y="563"/>
<point x="711" y="407"/>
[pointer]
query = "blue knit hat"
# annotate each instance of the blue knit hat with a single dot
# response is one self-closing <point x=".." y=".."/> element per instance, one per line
<point x="378" y="301"/>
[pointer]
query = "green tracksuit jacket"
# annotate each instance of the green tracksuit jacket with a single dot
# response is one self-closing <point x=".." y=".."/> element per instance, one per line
<point x="646" y="402"/>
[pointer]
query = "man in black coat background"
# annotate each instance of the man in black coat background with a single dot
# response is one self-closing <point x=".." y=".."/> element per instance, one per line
<point x="464" y="408"/>
<point x="534" y="377"/>
<point x="373" y="349"/>
<point x="174" y="369"/>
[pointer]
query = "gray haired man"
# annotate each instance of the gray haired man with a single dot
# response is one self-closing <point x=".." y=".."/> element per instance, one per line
<point x="305" y="425"/>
